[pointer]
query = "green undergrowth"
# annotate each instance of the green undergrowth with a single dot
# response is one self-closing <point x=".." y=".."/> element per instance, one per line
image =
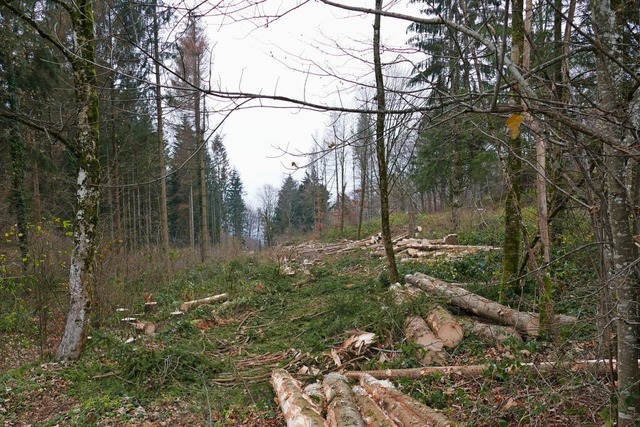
<point x="214" y="361"/>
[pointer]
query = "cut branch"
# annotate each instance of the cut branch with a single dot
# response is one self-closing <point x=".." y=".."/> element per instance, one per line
<point x="190" y="305"/>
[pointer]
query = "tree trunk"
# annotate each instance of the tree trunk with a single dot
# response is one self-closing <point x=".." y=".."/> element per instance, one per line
<point x="623" y="275"/>
<point x="526" y="323"/>
<point x="371" y="413"/>
<point x="85" y="152"/>
<point x="381" y="152"/>
<point x="429" y="346"/>
<point x="341" y="407"/>
<point x="164" y="216"/>
<point x="189" y="305"/>
<point x="407" y="411"/>
<point x="297" y="407"/>
<point x="513" y="168"/>
<point x="446" y="328"/>
<point x="596" y="366"/>
<point x="490" y="332"/>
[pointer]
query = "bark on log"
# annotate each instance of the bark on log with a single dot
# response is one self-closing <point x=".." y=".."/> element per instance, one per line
<point x="371" y="413"/>
<point x="526" y="323"/>
<point x="445" y="327"/>
<point x="342" y="410"/>
<point x="402" y="409"/>
<point x="595" y="366"/>
<point x="490" y="332"/>
<point x="431" y="347"/>
<point x="297" y="407"/>
<point x="189" y="305"/>
<point x="402" y="294"/>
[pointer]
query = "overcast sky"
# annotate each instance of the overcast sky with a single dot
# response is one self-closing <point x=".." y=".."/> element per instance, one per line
<point x="286" y="58"/>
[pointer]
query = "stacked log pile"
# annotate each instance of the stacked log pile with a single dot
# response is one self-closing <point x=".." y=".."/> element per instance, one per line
<point x="371" y="403"/>
<point x="406" y="249"/>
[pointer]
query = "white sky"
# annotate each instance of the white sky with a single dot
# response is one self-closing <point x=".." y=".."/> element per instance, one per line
<point x="262" y="60"/>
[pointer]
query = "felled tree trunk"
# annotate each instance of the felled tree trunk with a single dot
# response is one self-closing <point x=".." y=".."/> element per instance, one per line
<point x="403" y="409"/>
<point x="526" y="323"/>
<point x="445" y="327"/>
<point x="491" y="332"/>
<point x="189" y="305"/>
<point x="341" y="407"/>
<point x="469" y="372"/>
<point x="595" y="366"/>
<point x="431" y="347"/>
<point x="297" y="407"/>
<point x="371" y="413"/>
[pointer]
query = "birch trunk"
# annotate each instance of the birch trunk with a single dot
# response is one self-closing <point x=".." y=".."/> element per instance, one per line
<point x="297" y="407"/>
<point x="402" y="409"/>
<point x="371" y="413"/>
<point x="87" y="196"/>
<point x="341" y="407"/>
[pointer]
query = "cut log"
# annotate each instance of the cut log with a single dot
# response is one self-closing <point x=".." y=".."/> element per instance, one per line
<point x="402" y="409"/>
<point x="298" y="409"/>
<point x="371" y="413"/>
<point x="342" y="410"/>
<point x="402" y="294"/>
<point x="468" y="372"/>
<point x="150" y="307"/>
<point x="431" y="348"/>
<point x="524" y="322"/>
<point x="149" y="328"/>
<point x="445" y="327"/>
<point x="190" y="305"/>
<point x="490" y="332"/>
<point x="595" y="366"/>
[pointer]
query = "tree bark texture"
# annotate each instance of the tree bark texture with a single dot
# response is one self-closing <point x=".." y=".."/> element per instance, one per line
<point x="596" y="366"/>
<point x="298" y="409"/>
<point x="190" y="305"/>
<point x="371" y="413"/>
<point x="446" y="328"/>
<point x="513" y="169"/>
<point x="402" y="409"/>
<point x="381" y="152"/>
<point x="87" y="196"/>
<point x="342" y="410"/>
<point x="164" y="215"/>
<point x="623" y="276"/>
<point x="526" y="323"/>
<point x="429" y="346"/>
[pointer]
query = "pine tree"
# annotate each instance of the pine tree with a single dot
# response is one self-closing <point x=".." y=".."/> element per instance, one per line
<point x="236" y="210"/>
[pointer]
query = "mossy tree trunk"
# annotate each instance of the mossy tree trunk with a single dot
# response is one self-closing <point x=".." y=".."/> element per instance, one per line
<point x="623" y="274"/>
<point x="87" y="196"/>
<point x="513" y="168"/>
<point x="381" y="151"/>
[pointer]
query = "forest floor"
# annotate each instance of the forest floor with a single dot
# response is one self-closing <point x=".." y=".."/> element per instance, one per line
<point x="211" y="366"/>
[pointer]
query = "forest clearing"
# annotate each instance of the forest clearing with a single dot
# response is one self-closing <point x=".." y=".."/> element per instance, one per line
<point x="233" y="340"/>
<point x="320" y="212"/>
